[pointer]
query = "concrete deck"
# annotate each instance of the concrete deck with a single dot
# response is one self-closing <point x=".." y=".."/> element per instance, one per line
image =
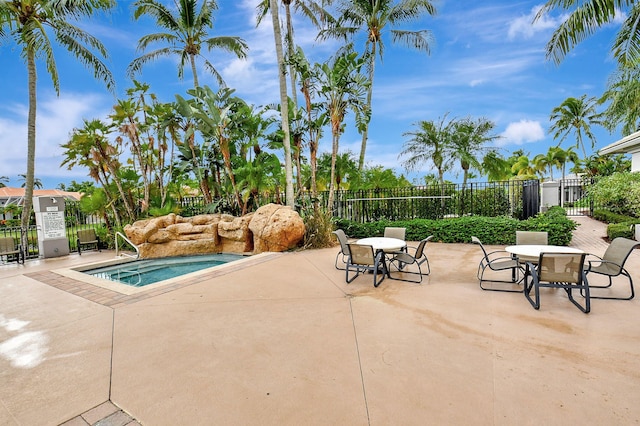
<point x="285" y="341"/>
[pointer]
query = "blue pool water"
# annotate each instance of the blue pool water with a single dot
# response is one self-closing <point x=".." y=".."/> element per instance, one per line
<point x="149" y="271"/>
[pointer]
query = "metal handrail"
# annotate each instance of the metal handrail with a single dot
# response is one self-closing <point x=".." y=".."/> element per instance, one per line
<point x="120" y="234"/>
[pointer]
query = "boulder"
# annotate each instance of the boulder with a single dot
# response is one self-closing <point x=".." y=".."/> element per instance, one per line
<point x="276" y="228"/>
<point x="271" y="228"/>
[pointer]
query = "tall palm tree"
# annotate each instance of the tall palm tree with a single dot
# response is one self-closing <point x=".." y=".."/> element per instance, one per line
<point x="284" y="104"/>
<point x="343" y="88"/>
<point x="372" y="17"/>
<point x="429" y="143"/>
<point x="28" y="23"/>
<point x="186" y="34"/>
<point x="585" y="18"/>
<point x="312" y="10"/>
<point x="3" y="179"/>
<point x="575" y="115"/>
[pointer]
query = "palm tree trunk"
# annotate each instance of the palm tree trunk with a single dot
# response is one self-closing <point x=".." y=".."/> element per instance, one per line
<point x="192" y="59"/>
<point x="27" y="201"/>
<point x="284" y="104"/>
<point x="292" y="71"/>
<point x="365" y="132"/>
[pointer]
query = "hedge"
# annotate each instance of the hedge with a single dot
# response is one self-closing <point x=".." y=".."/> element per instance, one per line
<point x="490" y="230"/>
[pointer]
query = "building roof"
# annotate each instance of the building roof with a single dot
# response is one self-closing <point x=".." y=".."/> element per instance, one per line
<point x="10" y="194"/>
<point x="628" y="144"/>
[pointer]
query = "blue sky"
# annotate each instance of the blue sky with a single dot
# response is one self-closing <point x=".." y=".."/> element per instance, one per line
<point x="487" y="60"/>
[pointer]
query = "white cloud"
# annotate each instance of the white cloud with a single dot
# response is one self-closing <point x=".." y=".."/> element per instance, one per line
<point x="523" y="131"/>
<point x="525" y="27"/>
<point x="56" y="117"/>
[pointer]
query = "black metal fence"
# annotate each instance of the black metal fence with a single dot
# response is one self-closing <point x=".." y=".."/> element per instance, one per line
<point x="519" y="199"/>
<point x="574" y="196"/>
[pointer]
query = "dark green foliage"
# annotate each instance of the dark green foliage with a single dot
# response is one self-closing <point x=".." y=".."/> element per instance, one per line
<point x="490" y="230"/>
<point x="610" y="217"/>
<point x="625" y="230"/>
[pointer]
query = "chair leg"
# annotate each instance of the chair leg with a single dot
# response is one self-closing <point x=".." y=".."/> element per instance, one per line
<point x="632" y="291"/>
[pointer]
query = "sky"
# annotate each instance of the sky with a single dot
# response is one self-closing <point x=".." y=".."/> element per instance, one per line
<point x="487" y="60"/>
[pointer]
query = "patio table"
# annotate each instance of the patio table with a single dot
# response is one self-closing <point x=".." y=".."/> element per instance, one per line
<point x="534" y="250"/>
<point x="384" y="244"/>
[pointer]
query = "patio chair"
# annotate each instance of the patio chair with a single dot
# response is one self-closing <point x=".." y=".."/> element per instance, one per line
<point x="363" y="259"/>
<point x="9" y="248"/>
<point x="87" y="238"/>
<point x="394" y="232"/>
<point x="401" y="260"/>
<point x="611" y="265"/>
<point x="494" y="262"/>
<point x="343" y="254"/>
<point x="540" y="238"/>
<point x="559" y="270"/>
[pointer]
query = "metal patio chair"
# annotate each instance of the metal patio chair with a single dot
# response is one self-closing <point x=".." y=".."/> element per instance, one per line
<point x="494" y="261"/>
<point x="558" y="270"/>
<point x="363" y="259"/>
<point x="10" y="248"/>
<point x="87" y="238"/>
<point x="611" y="265"/>
<point x="402" y="260"/>
<point x="343" y="254"/>
<point x="531" y="238"/>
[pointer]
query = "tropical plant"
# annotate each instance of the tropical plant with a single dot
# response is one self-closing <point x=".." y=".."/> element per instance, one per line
<point x="372" y="17"/>
<point x="575" y="115"/>
<point x="284" y="103"/>
<point x="3" y="181"/>
<point x="467" y="142"/>
<point x="342" y="88"/>
<point x="623" y="95"/>
<point x="91" y="147"/>
<point x="37" y="183"/>
<point x="618" y="193"/>
<point x="495" y="166"/>
<point x="27" y="21"/>
<point x="606" y="165"/>
<point x="186" y="34"/>
<point x="429" y="143"/>
<point x="585" y="17"/>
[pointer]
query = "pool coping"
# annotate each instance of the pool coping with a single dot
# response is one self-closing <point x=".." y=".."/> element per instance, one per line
<point x="112" y="294"/>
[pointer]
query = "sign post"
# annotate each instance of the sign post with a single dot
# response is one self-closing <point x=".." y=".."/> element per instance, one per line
<point x="52" y="236"/>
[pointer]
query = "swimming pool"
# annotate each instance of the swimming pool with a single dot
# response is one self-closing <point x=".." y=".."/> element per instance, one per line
<point x="143" y="272"/>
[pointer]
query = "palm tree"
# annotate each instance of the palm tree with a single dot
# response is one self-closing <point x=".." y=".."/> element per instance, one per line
<point x="343" y="88"/>
<point x="3" y="179"/>
<point x="523" y="168"/>
<point x="429" y="143"/>
<point x="588" y="16"/>
<point x="313" y="10"/>
<point x="26" y="21"/>
<point x="469" y="138"/>
<point x="623" y="93"/>
<point x="372" y="17"/>
<point x="496" y="167"/>
<point x="577" y="115"/>
<point x="185" y="36"/>
<point x="37" y="183"/>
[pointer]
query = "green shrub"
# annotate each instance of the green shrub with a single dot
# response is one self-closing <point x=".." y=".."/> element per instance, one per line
<point x="490" y="230"/>
<point x="618" y="193"/>
<point x="609" y="217"/>
<point x="615" y="230"/>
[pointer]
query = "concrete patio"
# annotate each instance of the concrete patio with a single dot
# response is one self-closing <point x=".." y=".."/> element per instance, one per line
<point x="285" y="341"/>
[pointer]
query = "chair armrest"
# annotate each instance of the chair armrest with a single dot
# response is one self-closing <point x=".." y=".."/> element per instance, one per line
<point x="601" y="262"/>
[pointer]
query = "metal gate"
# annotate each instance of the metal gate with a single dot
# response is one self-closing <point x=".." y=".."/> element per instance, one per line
<point x="530" y="198"/>
<point x="574" y="196"/>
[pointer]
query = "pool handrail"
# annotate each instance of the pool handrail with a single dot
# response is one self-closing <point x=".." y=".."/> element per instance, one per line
<point x="120" y="234"/>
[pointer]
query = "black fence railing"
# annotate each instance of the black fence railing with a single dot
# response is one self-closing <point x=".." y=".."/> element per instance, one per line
<point x="519" y="199"/>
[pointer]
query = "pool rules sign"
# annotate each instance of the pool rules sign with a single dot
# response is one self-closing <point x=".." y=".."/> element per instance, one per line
<point x="52" y="237"/>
